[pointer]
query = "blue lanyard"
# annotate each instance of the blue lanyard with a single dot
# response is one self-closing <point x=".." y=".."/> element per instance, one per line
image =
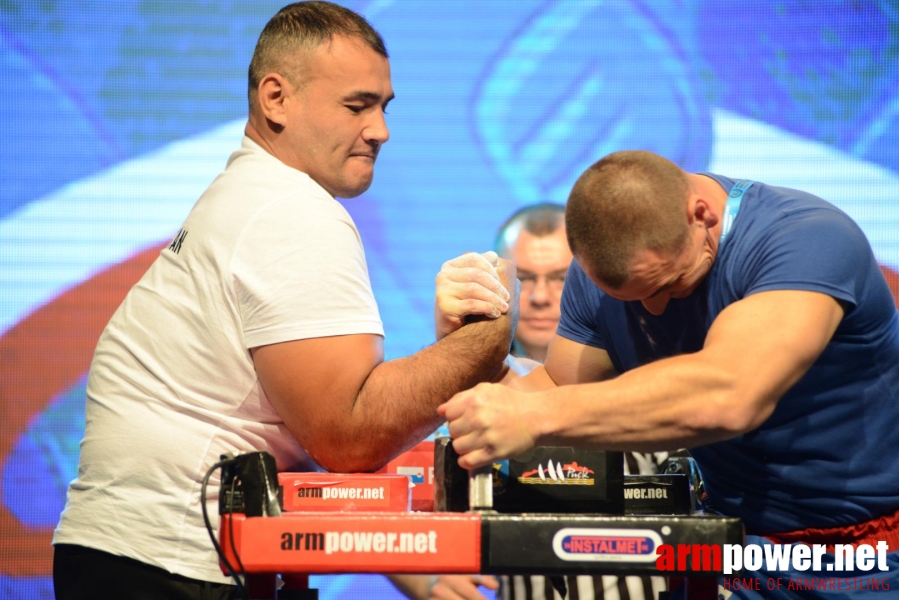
<point x="732" y="208"/>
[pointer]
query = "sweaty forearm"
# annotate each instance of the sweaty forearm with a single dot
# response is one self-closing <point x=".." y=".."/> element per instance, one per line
<point x="396" y="406"/>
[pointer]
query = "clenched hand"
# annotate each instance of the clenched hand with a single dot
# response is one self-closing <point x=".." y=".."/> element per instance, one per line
<point x="473" y="284"/>
<point x="491" y="422"/>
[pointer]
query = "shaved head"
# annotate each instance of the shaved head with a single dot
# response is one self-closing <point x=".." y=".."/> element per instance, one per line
<point x="628" y="201"/>
<point x="296" y="31"/>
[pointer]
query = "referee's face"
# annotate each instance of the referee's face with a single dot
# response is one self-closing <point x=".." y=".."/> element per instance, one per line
<point x="542" y="263"/>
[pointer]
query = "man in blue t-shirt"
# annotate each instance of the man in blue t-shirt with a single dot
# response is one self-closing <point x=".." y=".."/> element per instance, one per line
<point x="747" y="322"/>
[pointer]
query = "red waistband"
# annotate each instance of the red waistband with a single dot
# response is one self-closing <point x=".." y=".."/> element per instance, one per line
<point x="885" y="528"/>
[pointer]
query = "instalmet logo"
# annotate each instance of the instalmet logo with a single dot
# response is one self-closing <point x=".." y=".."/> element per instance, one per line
<point x="589" y="544"/>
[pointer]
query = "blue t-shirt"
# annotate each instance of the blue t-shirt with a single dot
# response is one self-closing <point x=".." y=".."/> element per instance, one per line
<point x="829" y="454"/>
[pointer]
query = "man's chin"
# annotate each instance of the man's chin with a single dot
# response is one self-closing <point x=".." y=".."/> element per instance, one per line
<point x="353" y="190"/>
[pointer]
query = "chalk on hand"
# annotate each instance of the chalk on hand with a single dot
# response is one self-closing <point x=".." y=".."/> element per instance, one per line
<point x="491" y="257"/>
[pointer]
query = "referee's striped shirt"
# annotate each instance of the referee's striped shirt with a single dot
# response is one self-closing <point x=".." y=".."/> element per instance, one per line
<point x="599" y="587"/>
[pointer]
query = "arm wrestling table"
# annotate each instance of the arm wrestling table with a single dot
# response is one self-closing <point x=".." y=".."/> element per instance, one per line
<point x="330" y="523"/>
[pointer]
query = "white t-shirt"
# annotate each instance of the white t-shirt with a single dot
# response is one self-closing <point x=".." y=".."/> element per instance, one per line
<point x="265" y="256"/>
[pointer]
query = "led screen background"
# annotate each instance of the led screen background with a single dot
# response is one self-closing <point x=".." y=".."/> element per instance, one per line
<point x="117" y="115"/>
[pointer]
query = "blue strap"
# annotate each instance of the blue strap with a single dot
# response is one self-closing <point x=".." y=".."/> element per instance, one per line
<point x="732" y="208"/>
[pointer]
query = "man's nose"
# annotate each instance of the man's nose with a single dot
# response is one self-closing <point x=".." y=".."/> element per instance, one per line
<point x="376" y="131"/>
<point x="540" y="294"/>
<point x="656" y="305"/>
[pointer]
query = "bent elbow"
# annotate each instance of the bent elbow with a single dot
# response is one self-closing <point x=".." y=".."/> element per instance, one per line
<point x="352" y="465"/>
<point x="733" y="414"/>
<point x="353" y="459"/>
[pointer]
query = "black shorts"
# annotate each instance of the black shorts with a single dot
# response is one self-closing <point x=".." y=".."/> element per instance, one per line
<point x="81" y="573"/>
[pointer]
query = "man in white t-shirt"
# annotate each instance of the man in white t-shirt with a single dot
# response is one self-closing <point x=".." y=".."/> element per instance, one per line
<point x="256" y="328"/>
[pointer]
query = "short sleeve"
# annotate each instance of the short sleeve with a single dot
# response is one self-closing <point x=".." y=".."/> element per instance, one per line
<point x="817" y="250"/>
<point x="581" y="303"/>
<point x="299" y="272"/>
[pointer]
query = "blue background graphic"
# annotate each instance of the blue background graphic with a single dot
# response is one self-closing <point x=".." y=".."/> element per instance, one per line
<point x="117" y="116"/>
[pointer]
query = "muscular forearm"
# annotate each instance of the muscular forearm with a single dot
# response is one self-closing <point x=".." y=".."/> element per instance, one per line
<point x="755" y="351"/>
<point x="396" y="406"/>
<point x="683" y="401"/>
<point x="537" y="380"/>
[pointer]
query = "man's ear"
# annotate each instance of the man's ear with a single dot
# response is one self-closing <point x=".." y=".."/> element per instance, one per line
<point x="271" y="96"/>
<point x="700" y="211"/>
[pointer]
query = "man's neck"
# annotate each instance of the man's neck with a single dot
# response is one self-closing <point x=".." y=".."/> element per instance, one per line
<point x="252" y="132"/>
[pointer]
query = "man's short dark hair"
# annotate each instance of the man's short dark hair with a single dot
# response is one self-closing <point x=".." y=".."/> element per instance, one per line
<point x="300" y="28"/>
<point x="540" y="220"/>
<point x="627" y="201"/>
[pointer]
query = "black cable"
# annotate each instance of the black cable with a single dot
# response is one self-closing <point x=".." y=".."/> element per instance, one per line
<point x="243" y="570"/>
<point x="241" y="588"/>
